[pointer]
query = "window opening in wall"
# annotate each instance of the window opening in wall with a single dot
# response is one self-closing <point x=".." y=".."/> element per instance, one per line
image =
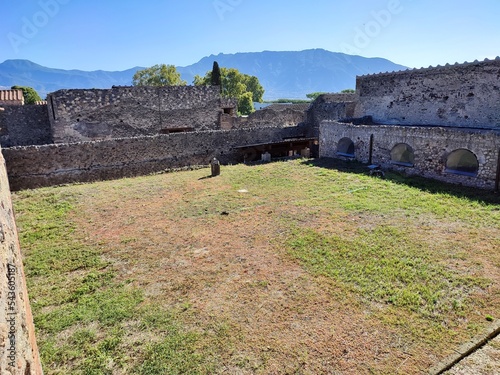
<point x="345" y="147"/>
<point x="462" y="162"/>
<point x="402" y="154"/>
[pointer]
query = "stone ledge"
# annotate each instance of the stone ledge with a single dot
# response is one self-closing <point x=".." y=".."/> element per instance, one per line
<point x="466" y="349"/>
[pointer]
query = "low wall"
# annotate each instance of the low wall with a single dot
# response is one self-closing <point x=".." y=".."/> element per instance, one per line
<point x="18" y="349"/>
<point x="22" y="125"/>
<point x="431" y="146"/>
<point x="36" y="166"/>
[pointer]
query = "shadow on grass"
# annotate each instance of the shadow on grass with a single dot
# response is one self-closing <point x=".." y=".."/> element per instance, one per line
<point x="424" y="184"/>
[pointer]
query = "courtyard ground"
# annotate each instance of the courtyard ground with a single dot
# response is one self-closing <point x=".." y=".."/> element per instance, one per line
<point x="294" y="267"/>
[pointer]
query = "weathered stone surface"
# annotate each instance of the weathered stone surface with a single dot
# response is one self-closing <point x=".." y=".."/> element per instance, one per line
<point x="330" y="107"/>
<point x="94" y="114"/>
<point x="18" y="349"/>
<point x="466" y="95"/>
<point x="23" y="125"/>
<point x="35" y="166"/>
<point x="431" y="146"/>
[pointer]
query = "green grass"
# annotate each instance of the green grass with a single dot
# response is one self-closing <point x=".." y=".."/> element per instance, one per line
<point x="406" y="244"/>
<point x="81" y="313"/>
<point x="386" y="265"/>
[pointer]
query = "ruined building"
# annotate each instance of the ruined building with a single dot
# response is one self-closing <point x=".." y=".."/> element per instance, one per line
<point x="442" y="123"/>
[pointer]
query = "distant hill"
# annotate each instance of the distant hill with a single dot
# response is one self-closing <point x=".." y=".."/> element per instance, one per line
<point x="282" y="74"/>
<point x="45" y="80"/>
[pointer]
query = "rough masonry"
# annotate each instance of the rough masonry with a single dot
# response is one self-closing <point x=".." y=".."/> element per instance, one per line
<point x="460" y="95"/>
<point x="119" y="112"/>
<point x="18" y="349"/>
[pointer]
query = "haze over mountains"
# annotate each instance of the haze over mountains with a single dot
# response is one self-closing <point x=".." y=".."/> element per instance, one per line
<point x="282" y="74"/>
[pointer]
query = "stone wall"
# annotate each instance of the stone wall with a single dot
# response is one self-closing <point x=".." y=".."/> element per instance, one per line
<point x="330" y="107"/>
<point x="83" y="115"/>
<point x="281" y="115"/>
<point x="24" y="125"/>
<point x="36" y="166"/>
<point x="466" y="95"/>
<point x="18" y="349"/>
<point x="431" y="146"/>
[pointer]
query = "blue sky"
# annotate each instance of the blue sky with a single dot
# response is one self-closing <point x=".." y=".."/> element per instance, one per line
<point x="116" y="35"/>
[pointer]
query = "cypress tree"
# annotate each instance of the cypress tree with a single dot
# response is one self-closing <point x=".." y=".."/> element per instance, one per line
<point x="216" y="77"/>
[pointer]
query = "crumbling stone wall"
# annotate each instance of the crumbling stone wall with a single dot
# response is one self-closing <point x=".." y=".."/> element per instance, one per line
<point x="330" y="107"/>
<point x="18" y="349"/>
<point x="466" y="95"/>
<point x="83" y="115"/>
<point x="35" y="166"/>
<point x="22" y="125"/>
<point x="281" y="115"/>
<point x="431" y="146"/>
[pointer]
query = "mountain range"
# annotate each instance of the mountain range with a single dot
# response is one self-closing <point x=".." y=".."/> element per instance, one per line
<point x="289" y="75"/>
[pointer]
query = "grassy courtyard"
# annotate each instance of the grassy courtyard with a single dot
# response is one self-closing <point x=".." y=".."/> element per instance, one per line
<point x="295" y="267"/>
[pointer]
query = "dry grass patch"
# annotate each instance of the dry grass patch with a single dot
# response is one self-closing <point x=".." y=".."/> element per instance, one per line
<point x="281" y="268"/>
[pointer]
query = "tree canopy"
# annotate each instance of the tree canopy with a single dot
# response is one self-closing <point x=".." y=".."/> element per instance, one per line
<point x="158" y="75"/>
<point x="247" y="89"/>
<point x="314" y="95"/>
<point x="29" y="93"/>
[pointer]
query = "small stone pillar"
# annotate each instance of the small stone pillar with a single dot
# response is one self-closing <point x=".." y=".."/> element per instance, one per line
<point x="215" y="167"/>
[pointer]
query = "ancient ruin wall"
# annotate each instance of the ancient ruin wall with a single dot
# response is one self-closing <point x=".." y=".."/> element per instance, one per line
<point x="18" y="349"/>
<point x="274" y="115"/>
<point x="35" y="166"/>
<point x="24" y="125"/>
<point x="119" y="112"/>
<point x="466" y="95"/>
<point x="431" y="146"/>
<point x="330" y="107"/>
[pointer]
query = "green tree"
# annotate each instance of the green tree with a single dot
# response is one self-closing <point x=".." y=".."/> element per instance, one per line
<point x="245" y="103"/>
<point x="30" y="94"/>
<point x="235" y="85"/>
<point x="216" y="78"/>
<point x="314" y="95"/>
<point x="158" y="75"/>
<point x="348" y="91"/>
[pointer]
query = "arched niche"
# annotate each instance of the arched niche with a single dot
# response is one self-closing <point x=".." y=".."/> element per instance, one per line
<point x="462" y="161"/>
<point x="345" y="147"/>
<point x="402" y="154"/>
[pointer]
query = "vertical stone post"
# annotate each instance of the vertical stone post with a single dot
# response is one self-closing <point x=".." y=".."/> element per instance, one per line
<point x="18" y="349"/>
<point x="215" y="167"/>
